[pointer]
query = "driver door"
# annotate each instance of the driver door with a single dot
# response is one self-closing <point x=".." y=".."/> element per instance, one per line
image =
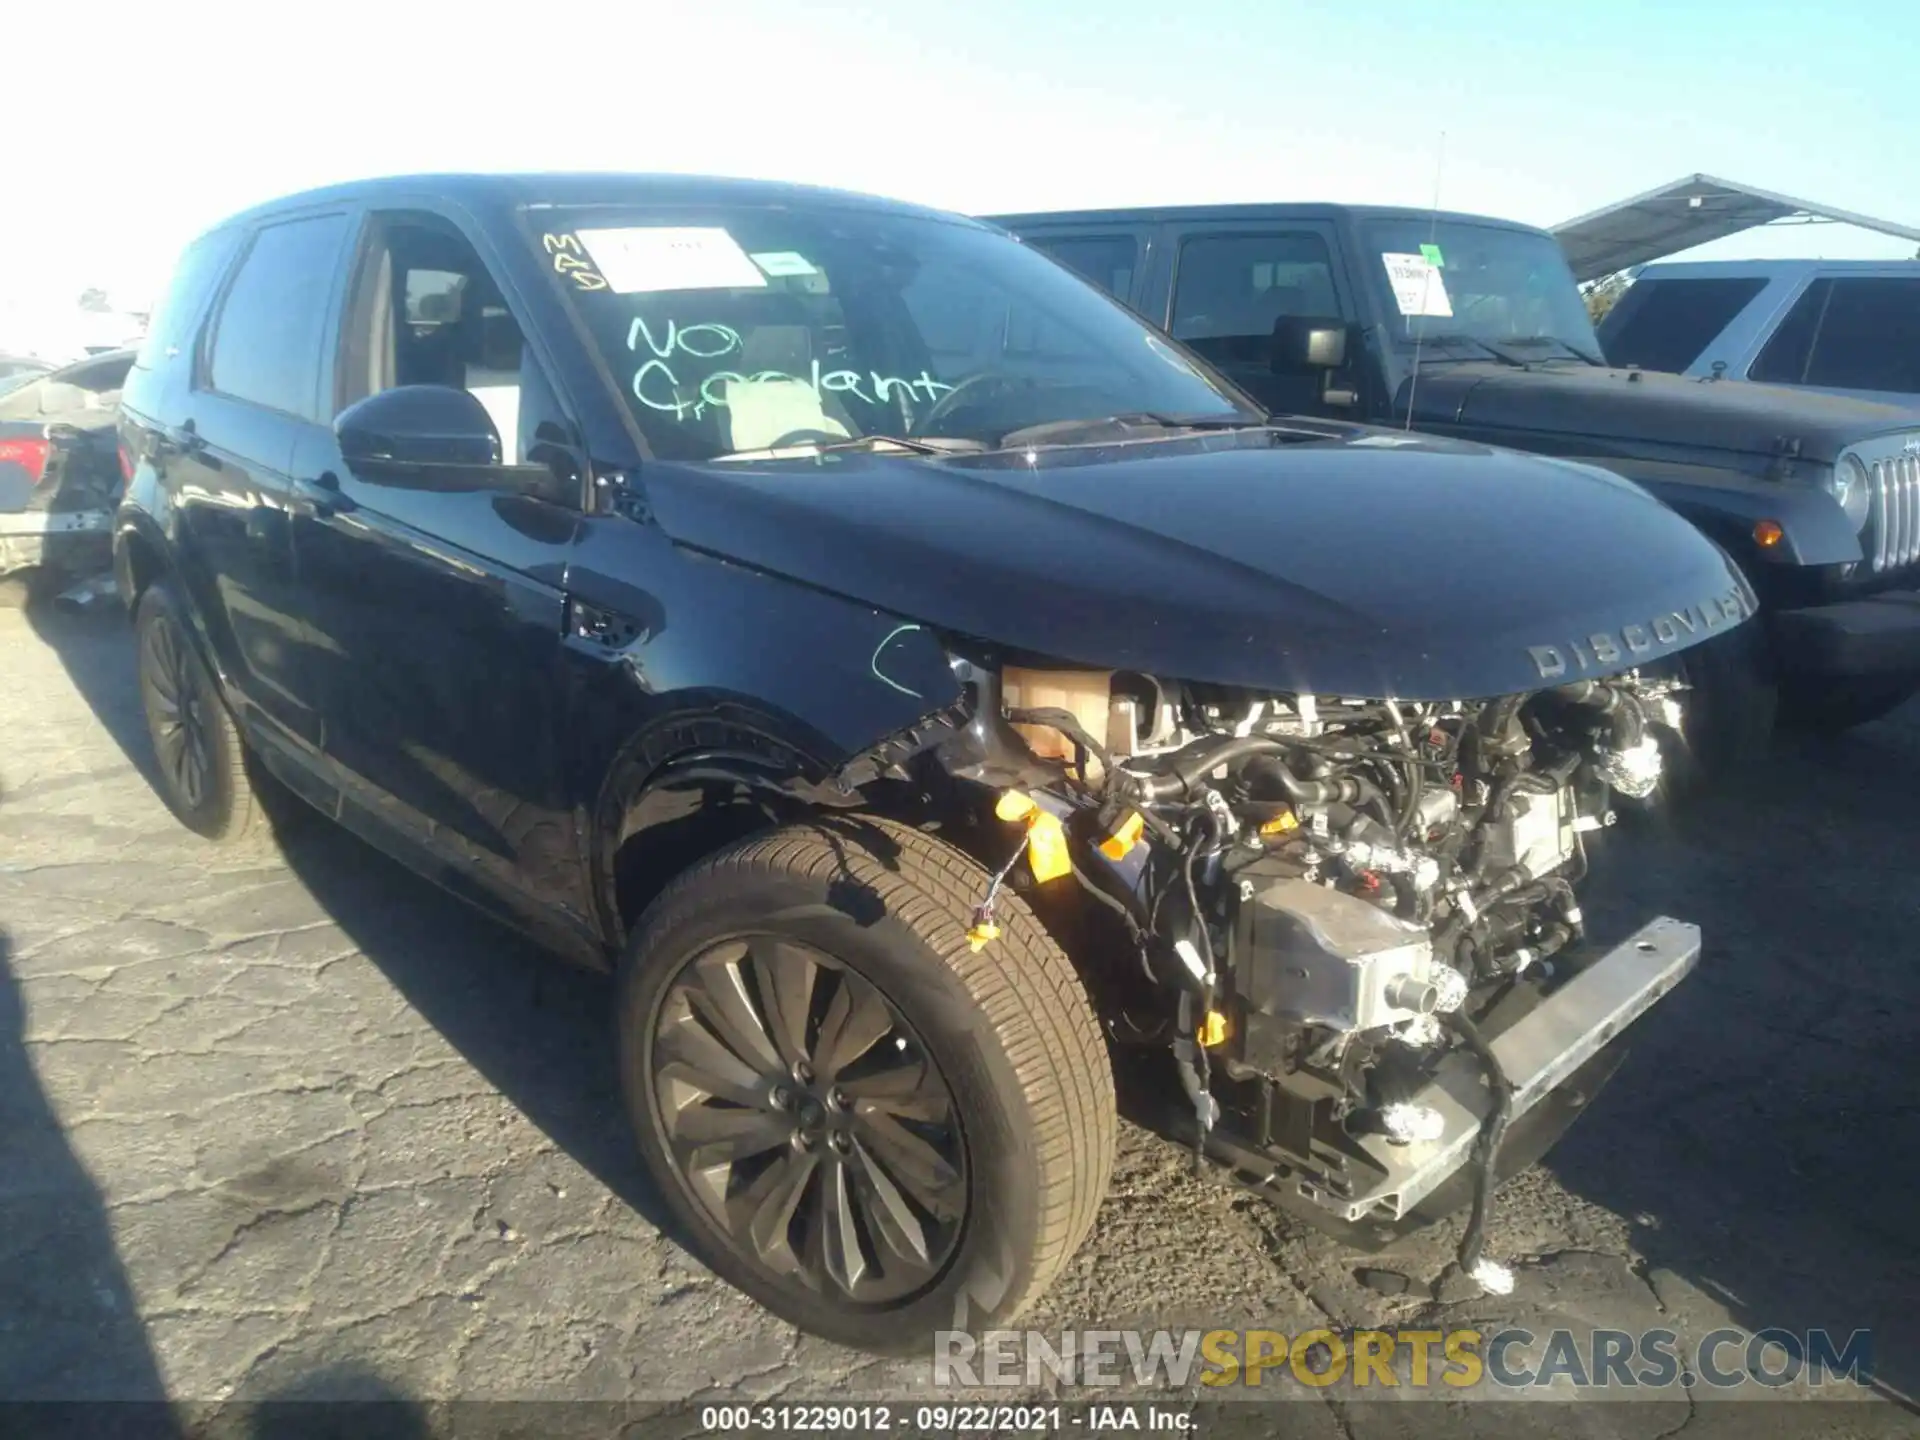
<point x="437" y="614"/>
<point x="1232" y="283"/>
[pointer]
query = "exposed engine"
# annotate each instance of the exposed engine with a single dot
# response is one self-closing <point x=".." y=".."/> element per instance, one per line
<point x="1333" y="895"/>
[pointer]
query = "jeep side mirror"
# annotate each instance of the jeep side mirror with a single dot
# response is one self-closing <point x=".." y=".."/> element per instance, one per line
<point x="417" y="425"/>
<point x="1308" y="342"/>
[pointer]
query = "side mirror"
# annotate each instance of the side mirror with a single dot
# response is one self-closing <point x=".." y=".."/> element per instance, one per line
<point x="433" y="425"/>
<point x="1308" y="342"/>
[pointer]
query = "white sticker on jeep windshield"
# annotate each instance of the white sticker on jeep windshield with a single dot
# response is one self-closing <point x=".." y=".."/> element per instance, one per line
<point x="1417" y="286"/>
<point x="639" y="258"/>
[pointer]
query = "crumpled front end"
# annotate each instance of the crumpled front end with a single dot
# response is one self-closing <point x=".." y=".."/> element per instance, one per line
<point x="1354" y="923"/>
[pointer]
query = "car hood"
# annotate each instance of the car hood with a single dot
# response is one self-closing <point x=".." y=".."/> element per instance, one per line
<point x="1616" y="408"/>
<point x="1365" y="563"/>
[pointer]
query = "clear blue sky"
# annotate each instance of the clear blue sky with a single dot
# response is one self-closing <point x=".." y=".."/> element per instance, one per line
<point x="1549" y="110"/>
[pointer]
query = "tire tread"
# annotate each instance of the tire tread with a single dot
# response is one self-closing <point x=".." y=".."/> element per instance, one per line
<point x="1022" y="982"/>
<point x="244" y="818"/>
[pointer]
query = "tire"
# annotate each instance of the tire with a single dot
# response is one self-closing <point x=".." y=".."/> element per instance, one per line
<point x="1025" y="1140"/>
<point x="202" y="769"/>
<point x="1843" y="704"/>
<point x="1728" y="710"/>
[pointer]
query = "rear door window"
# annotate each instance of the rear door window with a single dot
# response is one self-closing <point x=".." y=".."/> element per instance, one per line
<point x="1109" y="261"/>
<point x="195" y="275"/>
<point x="1869" y="337"/>
<point x="272" y="327"/>
<point x="1668" y="324"/>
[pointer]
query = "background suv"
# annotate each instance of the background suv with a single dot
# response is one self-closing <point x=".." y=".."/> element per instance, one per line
<point x="1848" y="326"/>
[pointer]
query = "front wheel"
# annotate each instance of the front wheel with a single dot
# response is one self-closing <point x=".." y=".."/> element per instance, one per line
<point x="867" y="1126"/>
<point x="1727" y="709"/>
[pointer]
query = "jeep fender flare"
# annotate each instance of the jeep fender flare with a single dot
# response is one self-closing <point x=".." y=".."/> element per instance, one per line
<point x="1725" y="504"/>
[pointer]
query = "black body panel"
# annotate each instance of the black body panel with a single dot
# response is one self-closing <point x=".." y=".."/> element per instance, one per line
<point x="1630" y="412"/>
<point x="505" y="688"/>
<point x="1334" y="566"/>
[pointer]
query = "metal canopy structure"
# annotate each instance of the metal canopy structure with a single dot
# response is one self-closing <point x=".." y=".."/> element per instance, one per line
<point x="1686" y="213"/>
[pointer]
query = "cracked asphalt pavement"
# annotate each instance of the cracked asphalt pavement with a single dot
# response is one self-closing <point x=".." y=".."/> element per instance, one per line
<point x="289" y="1120"/>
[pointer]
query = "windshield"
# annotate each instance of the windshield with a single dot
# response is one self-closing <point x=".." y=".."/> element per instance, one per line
<point x="738" y="329"/>
<point x="1483" y="282"/>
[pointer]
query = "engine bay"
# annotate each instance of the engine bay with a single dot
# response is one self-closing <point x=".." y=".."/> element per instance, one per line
<point x="1332" y="900"/>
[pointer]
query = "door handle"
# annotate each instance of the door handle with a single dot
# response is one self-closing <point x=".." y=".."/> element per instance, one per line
<point x="169" y="441"/>
<point x="322" y="494"/>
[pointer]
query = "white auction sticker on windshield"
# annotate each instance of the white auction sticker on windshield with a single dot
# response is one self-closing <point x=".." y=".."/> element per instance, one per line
<point x="640" y="258"/>
<point x="1417" y="286"/>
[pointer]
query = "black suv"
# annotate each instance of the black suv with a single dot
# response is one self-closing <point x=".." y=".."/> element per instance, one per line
<point x="910" y="673"/>
<point x="1465" y="326"/>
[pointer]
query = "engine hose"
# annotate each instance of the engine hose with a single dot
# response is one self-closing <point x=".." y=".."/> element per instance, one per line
<point x="1354" y="790"/>
<point x="1190" y="765"/>
<point x="1547" y="780"/>
<point x="1190" y="1059"/>
<point x="1621" y="710"/>
<point x="1487" y="1145"/>
<point x="1209" y="833"/>
<point x="1492" y="731"/>
<point x="1068" y="724"/>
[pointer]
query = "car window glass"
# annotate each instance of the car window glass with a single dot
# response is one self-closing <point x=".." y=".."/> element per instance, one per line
<point x="969" y="324"/>
<point x="1230" y="289"/>
<point x="1107" y="260"/>
<point x="733" y="330"/>
<point x="1784" y="358"/>
<point x="427" y="311"/>
<point x="1666" y="324"/>
<point x="1869" y="337"/>
<point x="268" y="339"/>
<point x="196" y="273"/>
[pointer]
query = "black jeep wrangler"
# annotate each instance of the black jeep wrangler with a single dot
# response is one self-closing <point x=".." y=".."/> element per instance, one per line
<point x="911" y="674"/>
<point x="1465" y="326"/>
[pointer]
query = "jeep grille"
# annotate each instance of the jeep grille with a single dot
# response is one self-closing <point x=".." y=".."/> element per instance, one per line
<point x="1891" y="539"/>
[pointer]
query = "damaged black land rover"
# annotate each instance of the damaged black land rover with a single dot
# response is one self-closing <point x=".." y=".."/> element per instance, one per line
<point x="915" y="677"/>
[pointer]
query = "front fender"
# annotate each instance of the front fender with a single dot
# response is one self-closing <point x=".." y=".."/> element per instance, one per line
<point x="1726" y="505"/>
<point x="695" y="764"/>
<point x="673" y="655"/>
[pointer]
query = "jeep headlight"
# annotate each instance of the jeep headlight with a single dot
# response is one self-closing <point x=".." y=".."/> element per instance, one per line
<point x="1849" y="485"/>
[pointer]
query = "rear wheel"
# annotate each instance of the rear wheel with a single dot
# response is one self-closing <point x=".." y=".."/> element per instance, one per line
<point x="203" y="772"/>
<point x="1840" y="705"/>
<point x="867" y="1126"/>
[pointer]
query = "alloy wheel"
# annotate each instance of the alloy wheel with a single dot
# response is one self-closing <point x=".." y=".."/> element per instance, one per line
<point x="808" y="1120"/>
<point x="176" y="710"/>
